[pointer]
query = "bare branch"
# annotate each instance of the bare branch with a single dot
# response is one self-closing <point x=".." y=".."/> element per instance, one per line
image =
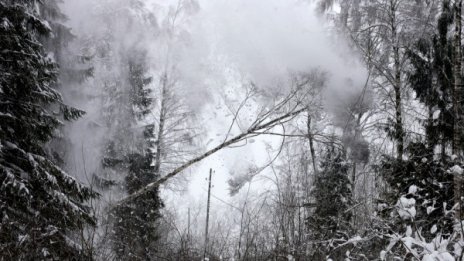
<point x="238" y="138"/>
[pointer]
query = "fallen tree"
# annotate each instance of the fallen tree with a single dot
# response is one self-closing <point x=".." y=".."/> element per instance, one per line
<point x="292" y="105"/>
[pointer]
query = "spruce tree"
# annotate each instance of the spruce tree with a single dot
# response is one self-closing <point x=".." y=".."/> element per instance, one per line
<point x="135" y="227"/>
<point x="420" y="188"/>
<point x="330" y="218"/>
<point x="40" y="204"/>
<point x="431" y="78"/>
<point x="128" y="162"/>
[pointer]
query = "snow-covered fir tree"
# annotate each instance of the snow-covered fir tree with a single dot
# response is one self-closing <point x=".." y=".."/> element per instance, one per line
<point x="128" y="147"/>
<point x="135" y="224"/>
<point x="329" y="221"/>
<point x="40" y="204"/>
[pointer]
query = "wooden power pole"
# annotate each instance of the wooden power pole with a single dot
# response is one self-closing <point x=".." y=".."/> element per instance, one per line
<point x="207" y="213"/>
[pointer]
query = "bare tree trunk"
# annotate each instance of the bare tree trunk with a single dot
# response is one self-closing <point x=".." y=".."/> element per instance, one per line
<point x="311" y="144"/>
<point x="399" y="134"/>
<point x="457" y="100"/>
<point x="162" y="120"/>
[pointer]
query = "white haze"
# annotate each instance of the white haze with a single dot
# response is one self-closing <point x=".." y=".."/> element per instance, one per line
<point x="266" y="39"/>
<point x="216" y="48"/>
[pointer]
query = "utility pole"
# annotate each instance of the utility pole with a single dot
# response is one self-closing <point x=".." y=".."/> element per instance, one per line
<point x="188" y="235"/>
<point x="188" y="225"/>
<point x="207" y="213"/>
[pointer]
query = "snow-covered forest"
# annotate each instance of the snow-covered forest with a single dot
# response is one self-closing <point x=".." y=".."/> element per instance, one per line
<point x="231" y="130"/>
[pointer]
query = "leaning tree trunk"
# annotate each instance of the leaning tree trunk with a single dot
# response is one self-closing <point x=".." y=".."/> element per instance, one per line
<point x="457" y="106"/>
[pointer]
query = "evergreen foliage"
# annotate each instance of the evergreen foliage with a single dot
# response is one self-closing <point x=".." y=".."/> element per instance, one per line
<point x="420" y="194"/>
<point x="40" y="204"/>
<point x="425" y="180"/>
<point x="128" y="162"/>
<point x="419" y="200"/>
<point x="135" y="232"/>
<point x="431" y="78"/>
<point x="330" y="219"/>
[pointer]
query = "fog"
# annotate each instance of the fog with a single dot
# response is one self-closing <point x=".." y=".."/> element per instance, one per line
<point x="217" y="130"/>
<point x="212" y="50"/>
